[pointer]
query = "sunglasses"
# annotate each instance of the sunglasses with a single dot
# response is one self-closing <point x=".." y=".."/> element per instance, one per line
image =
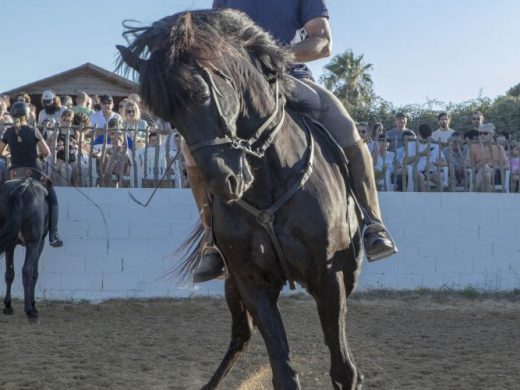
<point x="130" y="111"/>
<point x="483" y="133"/>
<point x="475" y="119"/>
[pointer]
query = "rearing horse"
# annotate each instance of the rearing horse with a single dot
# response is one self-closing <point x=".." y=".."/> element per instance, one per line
<point x="24" y="216"/>
<point x="281" y="206"/>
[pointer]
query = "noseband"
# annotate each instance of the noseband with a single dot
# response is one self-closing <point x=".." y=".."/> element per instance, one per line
<point x="231" y="137"/>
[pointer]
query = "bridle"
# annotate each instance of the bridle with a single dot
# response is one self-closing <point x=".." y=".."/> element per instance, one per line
<point x="265" y="217"/>
<point x="230" y="136"/>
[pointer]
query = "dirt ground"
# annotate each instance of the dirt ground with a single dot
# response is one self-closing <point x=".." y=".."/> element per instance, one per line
<point x="410" y="341"/>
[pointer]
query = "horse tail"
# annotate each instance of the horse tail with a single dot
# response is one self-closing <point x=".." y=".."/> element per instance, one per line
<point x="13" y="220"/>
<point x="189" y="252"/>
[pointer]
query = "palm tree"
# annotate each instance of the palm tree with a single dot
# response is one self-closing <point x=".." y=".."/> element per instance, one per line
<point x="347" y="76"/>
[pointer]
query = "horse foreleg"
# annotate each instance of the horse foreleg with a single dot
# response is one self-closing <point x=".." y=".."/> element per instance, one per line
<point x="262" y="305"/>
<point x="28" y="274"/>
<point x="331" y="299"/>
<point x="9" y="278"/>
<point x="241" y="327"/>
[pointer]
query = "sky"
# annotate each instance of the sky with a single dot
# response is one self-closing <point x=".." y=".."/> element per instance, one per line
<point x="447" y="50"/>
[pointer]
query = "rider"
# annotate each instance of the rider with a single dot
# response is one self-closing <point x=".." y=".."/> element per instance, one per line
<point x="24" y="142"/>
<point x="303" y="26"/>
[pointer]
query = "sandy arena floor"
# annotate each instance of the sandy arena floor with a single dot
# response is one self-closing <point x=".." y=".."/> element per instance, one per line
<point x="413" y="341"/>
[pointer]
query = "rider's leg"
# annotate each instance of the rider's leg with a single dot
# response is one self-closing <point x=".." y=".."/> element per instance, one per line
<point x="211" y="265"/>
<point x="54" y="238"/>
<point x="336" y="119"/>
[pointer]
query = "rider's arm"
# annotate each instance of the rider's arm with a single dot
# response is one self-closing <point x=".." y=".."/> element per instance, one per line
<point x="318" y="43"/>
<point x="42" y="145"/>
<point x="2" y="147"/>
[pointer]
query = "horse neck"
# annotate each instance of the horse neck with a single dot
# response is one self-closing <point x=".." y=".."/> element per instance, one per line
<point x="282" y="164"/>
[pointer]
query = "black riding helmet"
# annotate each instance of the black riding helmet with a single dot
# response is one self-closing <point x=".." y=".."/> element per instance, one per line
<point x="19" y="109"/>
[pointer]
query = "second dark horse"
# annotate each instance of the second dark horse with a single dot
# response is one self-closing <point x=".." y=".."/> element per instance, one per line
<point x="24" y="216"/>
<point x="282" y="210"/>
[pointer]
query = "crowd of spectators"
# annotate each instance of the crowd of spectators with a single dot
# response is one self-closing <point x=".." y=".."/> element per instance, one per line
<point x="444" y="159"/>
<point x="94" y="144"/>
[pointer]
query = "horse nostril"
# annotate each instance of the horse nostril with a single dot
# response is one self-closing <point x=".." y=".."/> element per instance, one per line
<point x="233" y="184"/>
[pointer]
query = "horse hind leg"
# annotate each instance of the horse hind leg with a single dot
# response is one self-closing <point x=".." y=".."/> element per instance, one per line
<point x="331" y="297"/>
<point x="29" y="273"/>
<point x="35" y="277"/>
<point x="242" y="324"/>
<point x="9" y="278"/>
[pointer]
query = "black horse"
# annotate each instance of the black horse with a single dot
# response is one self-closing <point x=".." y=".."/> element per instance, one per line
<point x="282" y="209"/>
<point x="24" y="216"/>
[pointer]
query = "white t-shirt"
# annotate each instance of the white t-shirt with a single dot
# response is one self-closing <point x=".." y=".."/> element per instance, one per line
<point x="434" y="155"/>
<point x="442" y="135"/>
<point x="98" y="119"/>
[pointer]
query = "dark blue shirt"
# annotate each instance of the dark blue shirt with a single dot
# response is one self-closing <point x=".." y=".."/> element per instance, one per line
<point x="283" y="19"/>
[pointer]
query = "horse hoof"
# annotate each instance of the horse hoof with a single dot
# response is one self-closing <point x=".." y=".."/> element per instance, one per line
<point x="8" y="310"/>
<point x="32" y="317"/>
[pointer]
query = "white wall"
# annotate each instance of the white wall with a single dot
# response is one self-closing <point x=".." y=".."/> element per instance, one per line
<point x="445" y="240"/>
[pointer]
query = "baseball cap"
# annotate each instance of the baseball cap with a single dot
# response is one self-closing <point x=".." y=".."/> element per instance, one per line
<point x="48" y="95"/>
<point x="106" y="98"/>
<point x="401" y="115"/>
<point x="487" y="127"/>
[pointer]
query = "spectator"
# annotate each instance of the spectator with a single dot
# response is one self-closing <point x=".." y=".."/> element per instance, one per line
<point x="485" y="158"/>
<point x="376" y="131"/>
<point x="52" y="109"/>
<point x="363" y="131"/>
<point x="22" y="97"/>
<point x="121" y="107"/>
<point x="476" y="121"/>
<point x="81" y="104"/>
<point x="144" y="114"/>
<point x="443" y="133"/>
<point x="383" y="163"/>
<point x="426" y="159"/>
<point x="66" y="101"/>
<point x="455" y="154"/>
<point x="116" y="125"/>
<point x="117" y="161"/>
<point x="132" y="117"/>
<point x="152" y="161"/>
<point x="515" y="168"/>
<point x="395" y="135"/>
<point x="100" y="119"/>
<point x="5" y="118"/>
<point x="66" y="150"/>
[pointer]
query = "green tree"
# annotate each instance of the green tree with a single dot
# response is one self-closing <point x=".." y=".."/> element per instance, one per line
<point x="514" y="91"/>
<point x="347" y="76"/>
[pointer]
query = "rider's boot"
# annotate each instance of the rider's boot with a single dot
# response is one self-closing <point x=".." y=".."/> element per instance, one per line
<point x="377" y="241"/>
<point x="54" y="238"/>
<point x="211" y="265"/>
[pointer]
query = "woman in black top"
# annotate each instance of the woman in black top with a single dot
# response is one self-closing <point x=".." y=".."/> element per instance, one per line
<point x="24" y="142"/>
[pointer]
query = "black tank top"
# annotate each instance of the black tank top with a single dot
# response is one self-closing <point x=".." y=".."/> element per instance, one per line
<point x="24" y="153"/>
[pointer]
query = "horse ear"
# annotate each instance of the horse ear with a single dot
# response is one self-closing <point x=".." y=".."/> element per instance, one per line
<point x="182" y="36"/>
<point x="130" y="58"/>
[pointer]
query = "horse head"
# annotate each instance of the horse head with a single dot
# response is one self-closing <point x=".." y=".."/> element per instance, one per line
<point x="220" y="80"/>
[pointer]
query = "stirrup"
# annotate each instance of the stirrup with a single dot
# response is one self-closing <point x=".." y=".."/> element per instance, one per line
<point x="210" y="249"/>
<point x="376" y="227"/>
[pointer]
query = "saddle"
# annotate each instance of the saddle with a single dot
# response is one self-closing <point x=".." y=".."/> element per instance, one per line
<point x="21" y="173"/>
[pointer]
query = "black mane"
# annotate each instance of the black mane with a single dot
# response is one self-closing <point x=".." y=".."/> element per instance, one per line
<point x="176" y="45"/>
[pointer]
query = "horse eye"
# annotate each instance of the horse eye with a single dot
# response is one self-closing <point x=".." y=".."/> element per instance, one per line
<point x="202" y="96"/>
